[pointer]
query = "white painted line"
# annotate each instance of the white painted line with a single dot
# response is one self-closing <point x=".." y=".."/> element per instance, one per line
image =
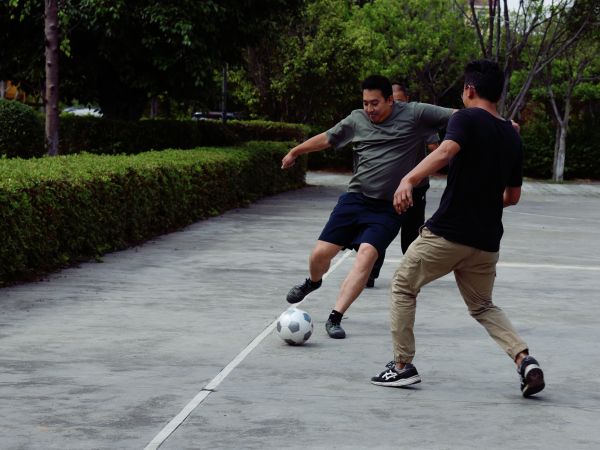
<point x="162" y="436"/>
<point x="549" y="266"/>
<point x="532" y="265"/>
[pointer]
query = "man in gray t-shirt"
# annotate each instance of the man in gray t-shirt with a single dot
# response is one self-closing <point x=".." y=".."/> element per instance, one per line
<point x="387" y="138"/>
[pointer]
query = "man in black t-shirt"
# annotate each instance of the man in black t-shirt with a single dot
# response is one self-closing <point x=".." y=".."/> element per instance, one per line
<point x="484" y="155"/>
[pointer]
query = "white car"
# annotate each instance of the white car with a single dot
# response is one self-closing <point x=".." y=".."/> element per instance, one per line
<point x="83" y="111"/>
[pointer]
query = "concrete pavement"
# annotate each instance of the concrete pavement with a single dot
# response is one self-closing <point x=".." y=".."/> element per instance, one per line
<point x="106" y="355"/>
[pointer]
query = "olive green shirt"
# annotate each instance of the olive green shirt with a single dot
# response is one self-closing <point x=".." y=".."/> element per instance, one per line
<point x="389" y="150"/>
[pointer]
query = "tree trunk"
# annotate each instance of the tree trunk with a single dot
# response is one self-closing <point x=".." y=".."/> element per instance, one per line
<point x="51" y="97"/>
<point x="559" y="169"/>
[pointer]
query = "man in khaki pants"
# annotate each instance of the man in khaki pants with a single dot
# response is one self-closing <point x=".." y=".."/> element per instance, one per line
<point x="484" y="155"/>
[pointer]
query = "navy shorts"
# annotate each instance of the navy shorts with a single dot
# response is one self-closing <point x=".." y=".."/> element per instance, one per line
<point x="357" y="219"/>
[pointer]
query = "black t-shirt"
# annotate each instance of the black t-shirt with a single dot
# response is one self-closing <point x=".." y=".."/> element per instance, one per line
<point x="489" y="160"/>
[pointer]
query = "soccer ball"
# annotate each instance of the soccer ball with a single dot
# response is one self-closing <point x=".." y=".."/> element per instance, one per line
<point x="294" y="326"/>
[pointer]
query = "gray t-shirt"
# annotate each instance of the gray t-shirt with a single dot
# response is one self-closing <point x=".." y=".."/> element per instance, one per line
<point x="389" y="150"/>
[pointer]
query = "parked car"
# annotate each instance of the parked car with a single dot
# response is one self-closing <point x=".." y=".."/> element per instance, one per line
<point x="94" y="111"/>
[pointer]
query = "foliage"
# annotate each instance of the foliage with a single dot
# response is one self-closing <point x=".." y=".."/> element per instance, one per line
<point x="312" y="73"/>
<point x="105" y="136"/>
<point x="528" y="39"/>
<point x="264" y="130"/>
<point x="120" y="53"/>
<point x="424" y="43"/>
<point x="21" y="130"/>
<point x="309" y="74"/>
<point x="60" y="210"/>
<point x="582" y="153"/>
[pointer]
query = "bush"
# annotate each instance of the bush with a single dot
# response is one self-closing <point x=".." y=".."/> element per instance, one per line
<point x="21" y="130"/>
<point x="538" y="143"/>
<point x="104" y="136"/>
<point x="263" y="130"/>
<point x="61" y="210"/>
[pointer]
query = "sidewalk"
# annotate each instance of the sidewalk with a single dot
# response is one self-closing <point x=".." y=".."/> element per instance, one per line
<point x="105" y="355"/>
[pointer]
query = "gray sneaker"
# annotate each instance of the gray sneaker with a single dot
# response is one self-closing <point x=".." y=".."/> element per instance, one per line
<point x="335" y="330"/>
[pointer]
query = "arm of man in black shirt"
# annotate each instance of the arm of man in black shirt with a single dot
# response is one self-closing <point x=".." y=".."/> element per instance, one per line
<point x="431" y="164"/>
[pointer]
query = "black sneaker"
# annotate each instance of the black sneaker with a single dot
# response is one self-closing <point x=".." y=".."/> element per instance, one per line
<point x="397" y="378"/>
<point x="297" y="293"/>
<point x="335" y="330"/>
<point x="532" y="377"/>
<point x="371" y="282"/>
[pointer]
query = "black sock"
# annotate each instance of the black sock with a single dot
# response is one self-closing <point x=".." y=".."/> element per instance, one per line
<point x="315" y="284"/>
<point x="335" y="317"/>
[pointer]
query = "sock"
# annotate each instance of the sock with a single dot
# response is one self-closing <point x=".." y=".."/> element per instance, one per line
<point x="335" y="317"/>
<point x="315" y="284"/>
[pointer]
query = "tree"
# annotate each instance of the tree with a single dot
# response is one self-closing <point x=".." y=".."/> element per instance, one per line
<point x="151" y="47"/>
<point x="51" y="32"/>
<point x="121" y="53"/>
<point x="539" y="29"/>
<point x="423" y="42"/>
<point x="309" y="73"/>
<point x="579" y="66"/>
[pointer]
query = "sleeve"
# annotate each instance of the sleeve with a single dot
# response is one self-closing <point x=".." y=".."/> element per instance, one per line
<point x="431" y="116"/>
<point x="515" y="178"/>
<point x="458" y="128"/>
<point x="342" y="133"/>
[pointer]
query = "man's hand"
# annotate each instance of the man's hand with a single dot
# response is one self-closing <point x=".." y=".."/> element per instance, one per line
<point x="403" y="196"/>
<point x="288" y="160"/>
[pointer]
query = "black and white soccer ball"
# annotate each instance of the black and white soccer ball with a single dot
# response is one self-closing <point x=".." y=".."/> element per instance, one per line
<point x="294" y="326"/>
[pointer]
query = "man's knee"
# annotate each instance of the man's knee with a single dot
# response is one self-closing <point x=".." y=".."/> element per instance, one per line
<point x="324" y="251"/>
<point x="402" y="288"/>
<point x="367" y="255"/>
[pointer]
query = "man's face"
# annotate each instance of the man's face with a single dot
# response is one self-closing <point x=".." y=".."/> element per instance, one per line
<point x="399" y="94"/>
<point x="376" y="106"/>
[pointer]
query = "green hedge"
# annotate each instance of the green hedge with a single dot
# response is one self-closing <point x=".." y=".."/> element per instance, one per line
<point x="22" y="133"/>
<point x="103" y="136"/>
<point x="21" y="130"/>
<point x="57" y="211"/>
<point x="263" y="130"/>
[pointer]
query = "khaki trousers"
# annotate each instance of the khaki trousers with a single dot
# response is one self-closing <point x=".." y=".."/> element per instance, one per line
<point x="431" y="257"/>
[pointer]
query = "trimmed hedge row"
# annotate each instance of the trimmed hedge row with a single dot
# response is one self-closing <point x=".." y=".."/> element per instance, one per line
<point x="104" y="136"/>
<point x="22" y="133"/>
<point x="61" y="210"/>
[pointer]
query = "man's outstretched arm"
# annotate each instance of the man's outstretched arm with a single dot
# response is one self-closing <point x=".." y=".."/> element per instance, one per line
<point x="437" y="159"/>
<point x="314" y="144"/>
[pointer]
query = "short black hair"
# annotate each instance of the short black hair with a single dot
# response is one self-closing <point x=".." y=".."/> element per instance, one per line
<point x="486" y="77"/>
<point x="380" y="83"/>
<point x="403" y="85"/>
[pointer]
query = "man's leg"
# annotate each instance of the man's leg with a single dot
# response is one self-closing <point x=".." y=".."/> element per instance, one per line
<point x="375" y="271"/>
<point x="356" y="279"/>
<point x="352" y="286"/>
<point x="430" y="257"/>
<point x="475" y="279"/>
<point x="414" y="218"/>
<point x="318" y="265"/>
<point x="320" y="259"/>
